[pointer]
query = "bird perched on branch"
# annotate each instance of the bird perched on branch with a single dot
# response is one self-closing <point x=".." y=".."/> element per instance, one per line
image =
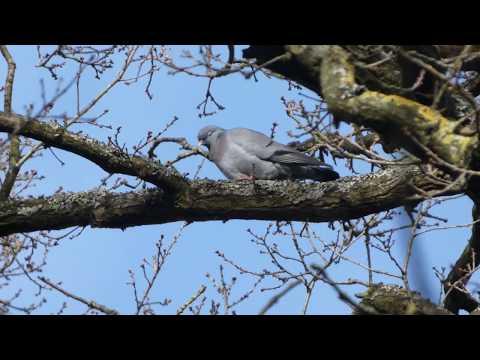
<point x="247" y="154"/>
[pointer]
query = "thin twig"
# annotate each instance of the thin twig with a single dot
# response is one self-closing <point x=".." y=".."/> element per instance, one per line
<point x="277" y="297"/>
<point x="90" y="303"/>
<point x="200" y="291"/>
<point x="322" y="275"/>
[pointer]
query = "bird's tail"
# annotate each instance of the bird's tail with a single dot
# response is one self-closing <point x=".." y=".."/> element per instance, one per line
<point x="318" y="173"/>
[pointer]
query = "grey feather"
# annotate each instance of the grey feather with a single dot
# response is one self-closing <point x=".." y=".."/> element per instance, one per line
<point x="243" y="153"/>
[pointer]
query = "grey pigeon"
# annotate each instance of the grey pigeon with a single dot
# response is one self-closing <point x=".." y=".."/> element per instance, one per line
<point x="247" y="154"/>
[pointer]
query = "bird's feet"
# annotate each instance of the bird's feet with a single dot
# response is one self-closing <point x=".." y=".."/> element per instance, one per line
<point x="246" y="177"/>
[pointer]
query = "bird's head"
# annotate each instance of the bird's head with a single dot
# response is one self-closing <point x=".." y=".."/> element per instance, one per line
<point x="207" y="134"/>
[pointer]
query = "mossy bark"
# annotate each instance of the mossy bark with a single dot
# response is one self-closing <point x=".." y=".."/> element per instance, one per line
<point x="394" y="300"/>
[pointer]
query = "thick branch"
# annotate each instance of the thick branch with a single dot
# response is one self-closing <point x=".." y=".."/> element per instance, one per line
<point x="406" y="123"/>
<point x="394" y="300"/>
<point x="346" y="198"/>
<point x="471" y="63"/>
<point x="107" y="157"/>
<point x="390" y="115"/>
<point x="288" y="67"/>
<point x="14" y="155"/>
<point x="464" y="267"/>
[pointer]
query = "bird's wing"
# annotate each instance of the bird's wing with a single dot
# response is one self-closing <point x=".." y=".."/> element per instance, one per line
<point x="293" y="157"/>
<point x="267" y="149"/>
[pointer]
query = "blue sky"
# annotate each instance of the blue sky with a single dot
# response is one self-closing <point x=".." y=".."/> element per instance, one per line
<point x="95" y="265"/>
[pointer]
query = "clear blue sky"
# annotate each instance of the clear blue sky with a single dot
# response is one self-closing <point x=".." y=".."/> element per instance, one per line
<point x="95" y="265"/>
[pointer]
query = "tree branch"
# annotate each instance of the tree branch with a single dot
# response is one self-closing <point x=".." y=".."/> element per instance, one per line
<point x="400" y="121"/>
<point x="90" y="303"/>
<point x="14" y="155"/>
<point x="110" y="159"/>
<point x="393" y="116"/>
<point x="205" y="200"/>
<point x="457" y="297"/>
<point x="394" y="300"/>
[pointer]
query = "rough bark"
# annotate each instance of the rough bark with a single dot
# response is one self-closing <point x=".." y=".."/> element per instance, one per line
<point x="107" y="157"/>
<point x="346" y="198"/>
<point x="460" y="274"/>
<point x="394" y="300"/>
<point x="401" y="119"/>
<point x="352" y="94"/>
<point x="403" y="122"/>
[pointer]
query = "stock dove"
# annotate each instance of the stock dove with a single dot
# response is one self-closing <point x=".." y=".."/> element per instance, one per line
<point x="247" y="154"/>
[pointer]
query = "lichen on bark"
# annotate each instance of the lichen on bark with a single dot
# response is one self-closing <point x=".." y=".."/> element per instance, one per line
<point x="396" y="116"/>
<point x="395" y="300"/>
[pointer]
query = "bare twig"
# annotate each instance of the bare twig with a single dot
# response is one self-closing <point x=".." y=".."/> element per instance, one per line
<point x="277" y="297"/>
<point x="90" y="303"/>
<point x="359" y="308"/>
<point x="200" y="291"/>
